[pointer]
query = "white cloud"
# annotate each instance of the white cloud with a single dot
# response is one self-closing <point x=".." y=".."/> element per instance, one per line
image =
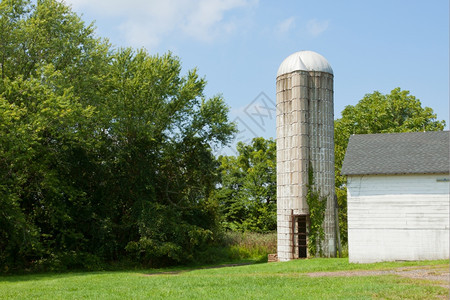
<point x="206" y="22"/>
<point x="147" y="22"/>
<point x="316" y="27"/>
<point x="286" y="25"/>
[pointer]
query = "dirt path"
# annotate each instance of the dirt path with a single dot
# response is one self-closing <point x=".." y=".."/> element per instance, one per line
<point x="438" y="274"/>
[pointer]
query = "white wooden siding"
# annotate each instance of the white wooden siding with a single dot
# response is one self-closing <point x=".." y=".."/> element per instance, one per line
<point x="398" y="217"/>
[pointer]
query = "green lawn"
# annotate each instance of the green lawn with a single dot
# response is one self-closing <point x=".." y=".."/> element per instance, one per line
<point x="258" y="281"/>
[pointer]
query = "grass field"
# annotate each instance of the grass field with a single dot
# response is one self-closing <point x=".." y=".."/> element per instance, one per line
<point x="288" y="280"/>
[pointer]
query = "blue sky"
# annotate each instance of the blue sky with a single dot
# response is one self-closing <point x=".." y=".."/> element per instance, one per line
<point x="238" y="45"/>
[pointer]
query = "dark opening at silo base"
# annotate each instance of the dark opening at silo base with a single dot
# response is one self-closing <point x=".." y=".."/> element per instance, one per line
<point x="300" y="235"/>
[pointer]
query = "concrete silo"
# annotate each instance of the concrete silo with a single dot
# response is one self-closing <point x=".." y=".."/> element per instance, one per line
<point x="305" y="147"/>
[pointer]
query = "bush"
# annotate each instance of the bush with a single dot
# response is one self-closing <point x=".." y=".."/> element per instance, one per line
<point x="71" y="260"/>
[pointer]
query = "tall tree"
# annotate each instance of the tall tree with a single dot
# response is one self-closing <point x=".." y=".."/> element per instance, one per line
<point x="103" y="152"/>
<point x="161" y="130"/>
<point x="248" y="187"/>
<point x="45" y="129"/>
<point x="377" y="113"/>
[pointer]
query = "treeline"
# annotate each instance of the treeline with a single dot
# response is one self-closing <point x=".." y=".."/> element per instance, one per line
<point x="105" y="154"/>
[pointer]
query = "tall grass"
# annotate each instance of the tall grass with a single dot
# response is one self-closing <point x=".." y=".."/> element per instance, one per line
<point x="235" y="247"/>
<point x="250" y="245"/>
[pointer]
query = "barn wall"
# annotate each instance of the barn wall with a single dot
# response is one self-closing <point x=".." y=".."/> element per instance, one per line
<point x="399" y="217"/>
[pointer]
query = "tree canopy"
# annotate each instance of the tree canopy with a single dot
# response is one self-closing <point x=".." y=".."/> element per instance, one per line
<point x="247" y="194"/>
<point x="104" y="153"/>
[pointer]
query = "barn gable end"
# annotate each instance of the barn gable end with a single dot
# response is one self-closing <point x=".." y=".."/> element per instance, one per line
<point x="398" y="196"/>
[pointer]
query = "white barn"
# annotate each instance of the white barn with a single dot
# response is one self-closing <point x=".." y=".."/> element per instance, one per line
<point x="398" y="196"/>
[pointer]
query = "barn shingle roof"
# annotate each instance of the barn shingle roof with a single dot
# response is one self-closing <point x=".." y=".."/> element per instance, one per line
<point x="398" y="153"/>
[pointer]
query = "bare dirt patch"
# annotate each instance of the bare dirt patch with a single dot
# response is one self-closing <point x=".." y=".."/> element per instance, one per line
<point x="437" y="275"/>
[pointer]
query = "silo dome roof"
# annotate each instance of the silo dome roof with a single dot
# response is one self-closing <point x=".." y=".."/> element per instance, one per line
<point x="304" y="61"/>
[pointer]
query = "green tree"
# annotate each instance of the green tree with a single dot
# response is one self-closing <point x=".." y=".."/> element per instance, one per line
<point x="248" y="187"/>
<point x="45" y="129"/>
<point x="40" y="129"/>
<point x="104" y="153"/>
<point x="161" y="131"/>
<point x="377" y="113"/>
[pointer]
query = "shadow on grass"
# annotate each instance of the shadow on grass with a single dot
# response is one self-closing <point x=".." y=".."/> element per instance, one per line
<point x="45" y="276"/>
<point x="299" y="266"/>
<point x="145" y="271"/>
